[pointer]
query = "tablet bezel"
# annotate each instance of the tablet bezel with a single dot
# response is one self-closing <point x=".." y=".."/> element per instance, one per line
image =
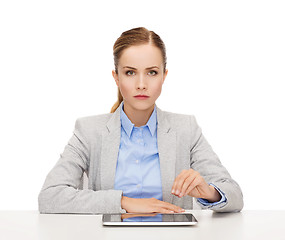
<point x="106" y="220"/>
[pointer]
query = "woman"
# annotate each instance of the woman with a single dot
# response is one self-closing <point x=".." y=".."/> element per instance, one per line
<point x="138" y="158"/>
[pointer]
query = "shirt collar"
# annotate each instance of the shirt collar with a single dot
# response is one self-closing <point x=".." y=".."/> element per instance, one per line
<point x="128" y="125"/>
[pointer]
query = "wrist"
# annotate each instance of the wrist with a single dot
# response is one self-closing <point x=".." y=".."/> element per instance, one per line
<point x="214" y="195"/>
<point x="124" y="202"/>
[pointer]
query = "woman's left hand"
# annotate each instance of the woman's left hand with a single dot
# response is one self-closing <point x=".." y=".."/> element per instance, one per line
<point x="190" y="182"/>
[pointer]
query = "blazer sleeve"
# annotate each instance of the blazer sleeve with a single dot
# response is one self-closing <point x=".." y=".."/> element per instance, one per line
<point x="60" y="193"/>
<point x="205" y="161"/>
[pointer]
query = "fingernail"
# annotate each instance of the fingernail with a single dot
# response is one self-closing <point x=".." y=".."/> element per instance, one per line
<point x="177" y="192"/>
<point x="172" y="191"/>
<point x="180" y="195"/>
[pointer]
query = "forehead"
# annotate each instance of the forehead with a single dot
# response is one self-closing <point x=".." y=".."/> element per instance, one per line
<point x="141" y="55"/>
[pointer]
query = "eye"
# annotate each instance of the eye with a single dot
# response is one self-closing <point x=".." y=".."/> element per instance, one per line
<point x="130" y="73"/>
<point x="152" y="73"/>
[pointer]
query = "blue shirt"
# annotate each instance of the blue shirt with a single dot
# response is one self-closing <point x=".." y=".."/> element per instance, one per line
<point x="138" y="167"/>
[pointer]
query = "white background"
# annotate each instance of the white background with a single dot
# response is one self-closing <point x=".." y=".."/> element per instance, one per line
<point x="226" y="66"/>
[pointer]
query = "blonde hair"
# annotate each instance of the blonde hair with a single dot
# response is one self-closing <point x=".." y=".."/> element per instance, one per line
<point x="134" y="37"/>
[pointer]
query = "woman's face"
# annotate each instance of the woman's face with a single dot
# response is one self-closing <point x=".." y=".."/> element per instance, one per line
<point x="140" y="71"/>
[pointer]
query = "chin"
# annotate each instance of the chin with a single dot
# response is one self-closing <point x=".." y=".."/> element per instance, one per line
<point x="142" y="105"/>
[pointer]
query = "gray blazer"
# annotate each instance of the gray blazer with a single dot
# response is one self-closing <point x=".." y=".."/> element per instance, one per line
<point x="94" y="147"/>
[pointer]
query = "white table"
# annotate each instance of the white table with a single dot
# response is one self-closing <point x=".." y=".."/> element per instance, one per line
<point x="22" y="225"/>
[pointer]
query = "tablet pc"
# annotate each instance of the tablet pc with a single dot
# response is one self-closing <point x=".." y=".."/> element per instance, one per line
<point x="148" y="219"/>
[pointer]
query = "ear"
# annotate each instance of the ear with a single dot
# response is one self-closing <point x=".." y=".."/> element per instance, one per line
<point x="164" y="75"/>
<point x="115" y="76"/>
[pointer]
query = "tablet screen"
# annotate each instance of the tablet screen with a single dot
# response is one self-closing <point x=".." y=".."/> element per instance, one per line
<point x="153" y="218"/>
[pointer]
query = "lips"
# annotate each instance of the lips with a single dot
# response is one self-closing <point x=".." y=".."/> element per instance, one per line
<point x="141" y="97"/>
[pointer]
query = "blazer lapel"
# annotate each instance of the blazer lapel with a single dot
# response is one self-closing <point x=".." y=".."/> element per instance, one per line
<point x="166" y="141"/>
<point x="111" y="137"/>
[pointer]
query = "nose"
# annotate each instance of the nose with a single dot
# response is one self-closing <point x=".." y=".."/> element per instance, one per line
<point x="141" y="83"/>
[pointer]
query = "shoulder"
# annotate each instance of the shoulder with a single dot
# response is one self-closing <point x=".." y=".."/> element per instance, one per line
<point x="179" y="120"/>
<point x="92" y="125"/>
<point x="185" y="126"/>
<point x="92" y="121"/>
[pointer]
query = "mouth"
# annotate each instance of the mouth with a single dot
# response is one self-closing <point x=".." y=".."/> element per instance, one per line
<point x="142" y="97"/>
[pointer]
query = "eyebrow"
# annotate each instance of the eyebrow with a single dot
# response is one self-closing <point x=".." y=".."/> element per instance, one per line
<point x="136" y="69"/>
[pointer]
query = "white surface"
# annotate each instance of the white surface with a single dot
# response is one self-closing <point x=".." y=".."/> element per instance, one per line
<point x="246" y="225"/>
<point x="226" y="66"/>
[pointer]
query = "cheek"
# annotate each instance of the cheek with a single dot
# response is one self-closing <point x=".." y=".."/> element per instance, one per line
<point x="126" y="88"/>
<point x="156" y="87"/>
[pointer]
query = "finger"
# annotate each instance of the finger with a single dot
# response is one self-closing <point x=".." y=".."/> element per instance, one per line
<point x="165" y="210"/>
<point x="173" y="189"/>
<point x="194" y="184"/>
<point x="178" y="182"/>
<point x="190" y="173"/>
<point x="188" y="181"/>
<point x="169" y="206"/>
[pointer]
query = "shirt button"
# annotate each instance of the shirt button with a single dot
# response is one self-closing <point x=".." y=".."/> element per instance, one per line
<point x="137" y="161"/>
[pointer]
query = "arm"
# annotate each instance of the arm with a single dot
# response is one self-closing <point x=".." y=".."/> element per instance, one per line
<point x="60" y="193"/>
<point x="207" y="163"/>
<point x="148" y="205"/>
<point x="218" y="199"/>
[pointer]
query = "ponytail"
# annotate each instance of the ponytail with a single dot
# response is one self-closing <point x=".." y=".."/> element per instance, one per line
<point x="117" y="104"/>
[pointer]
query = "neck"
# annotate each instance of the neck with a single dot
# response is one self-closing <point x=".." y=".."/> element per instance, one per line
<point x="138" y="117"/>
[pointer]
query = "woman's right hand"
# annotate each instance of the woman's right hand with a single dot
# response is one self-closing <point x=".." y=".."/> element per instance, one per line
<point x="148" y="205"/>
